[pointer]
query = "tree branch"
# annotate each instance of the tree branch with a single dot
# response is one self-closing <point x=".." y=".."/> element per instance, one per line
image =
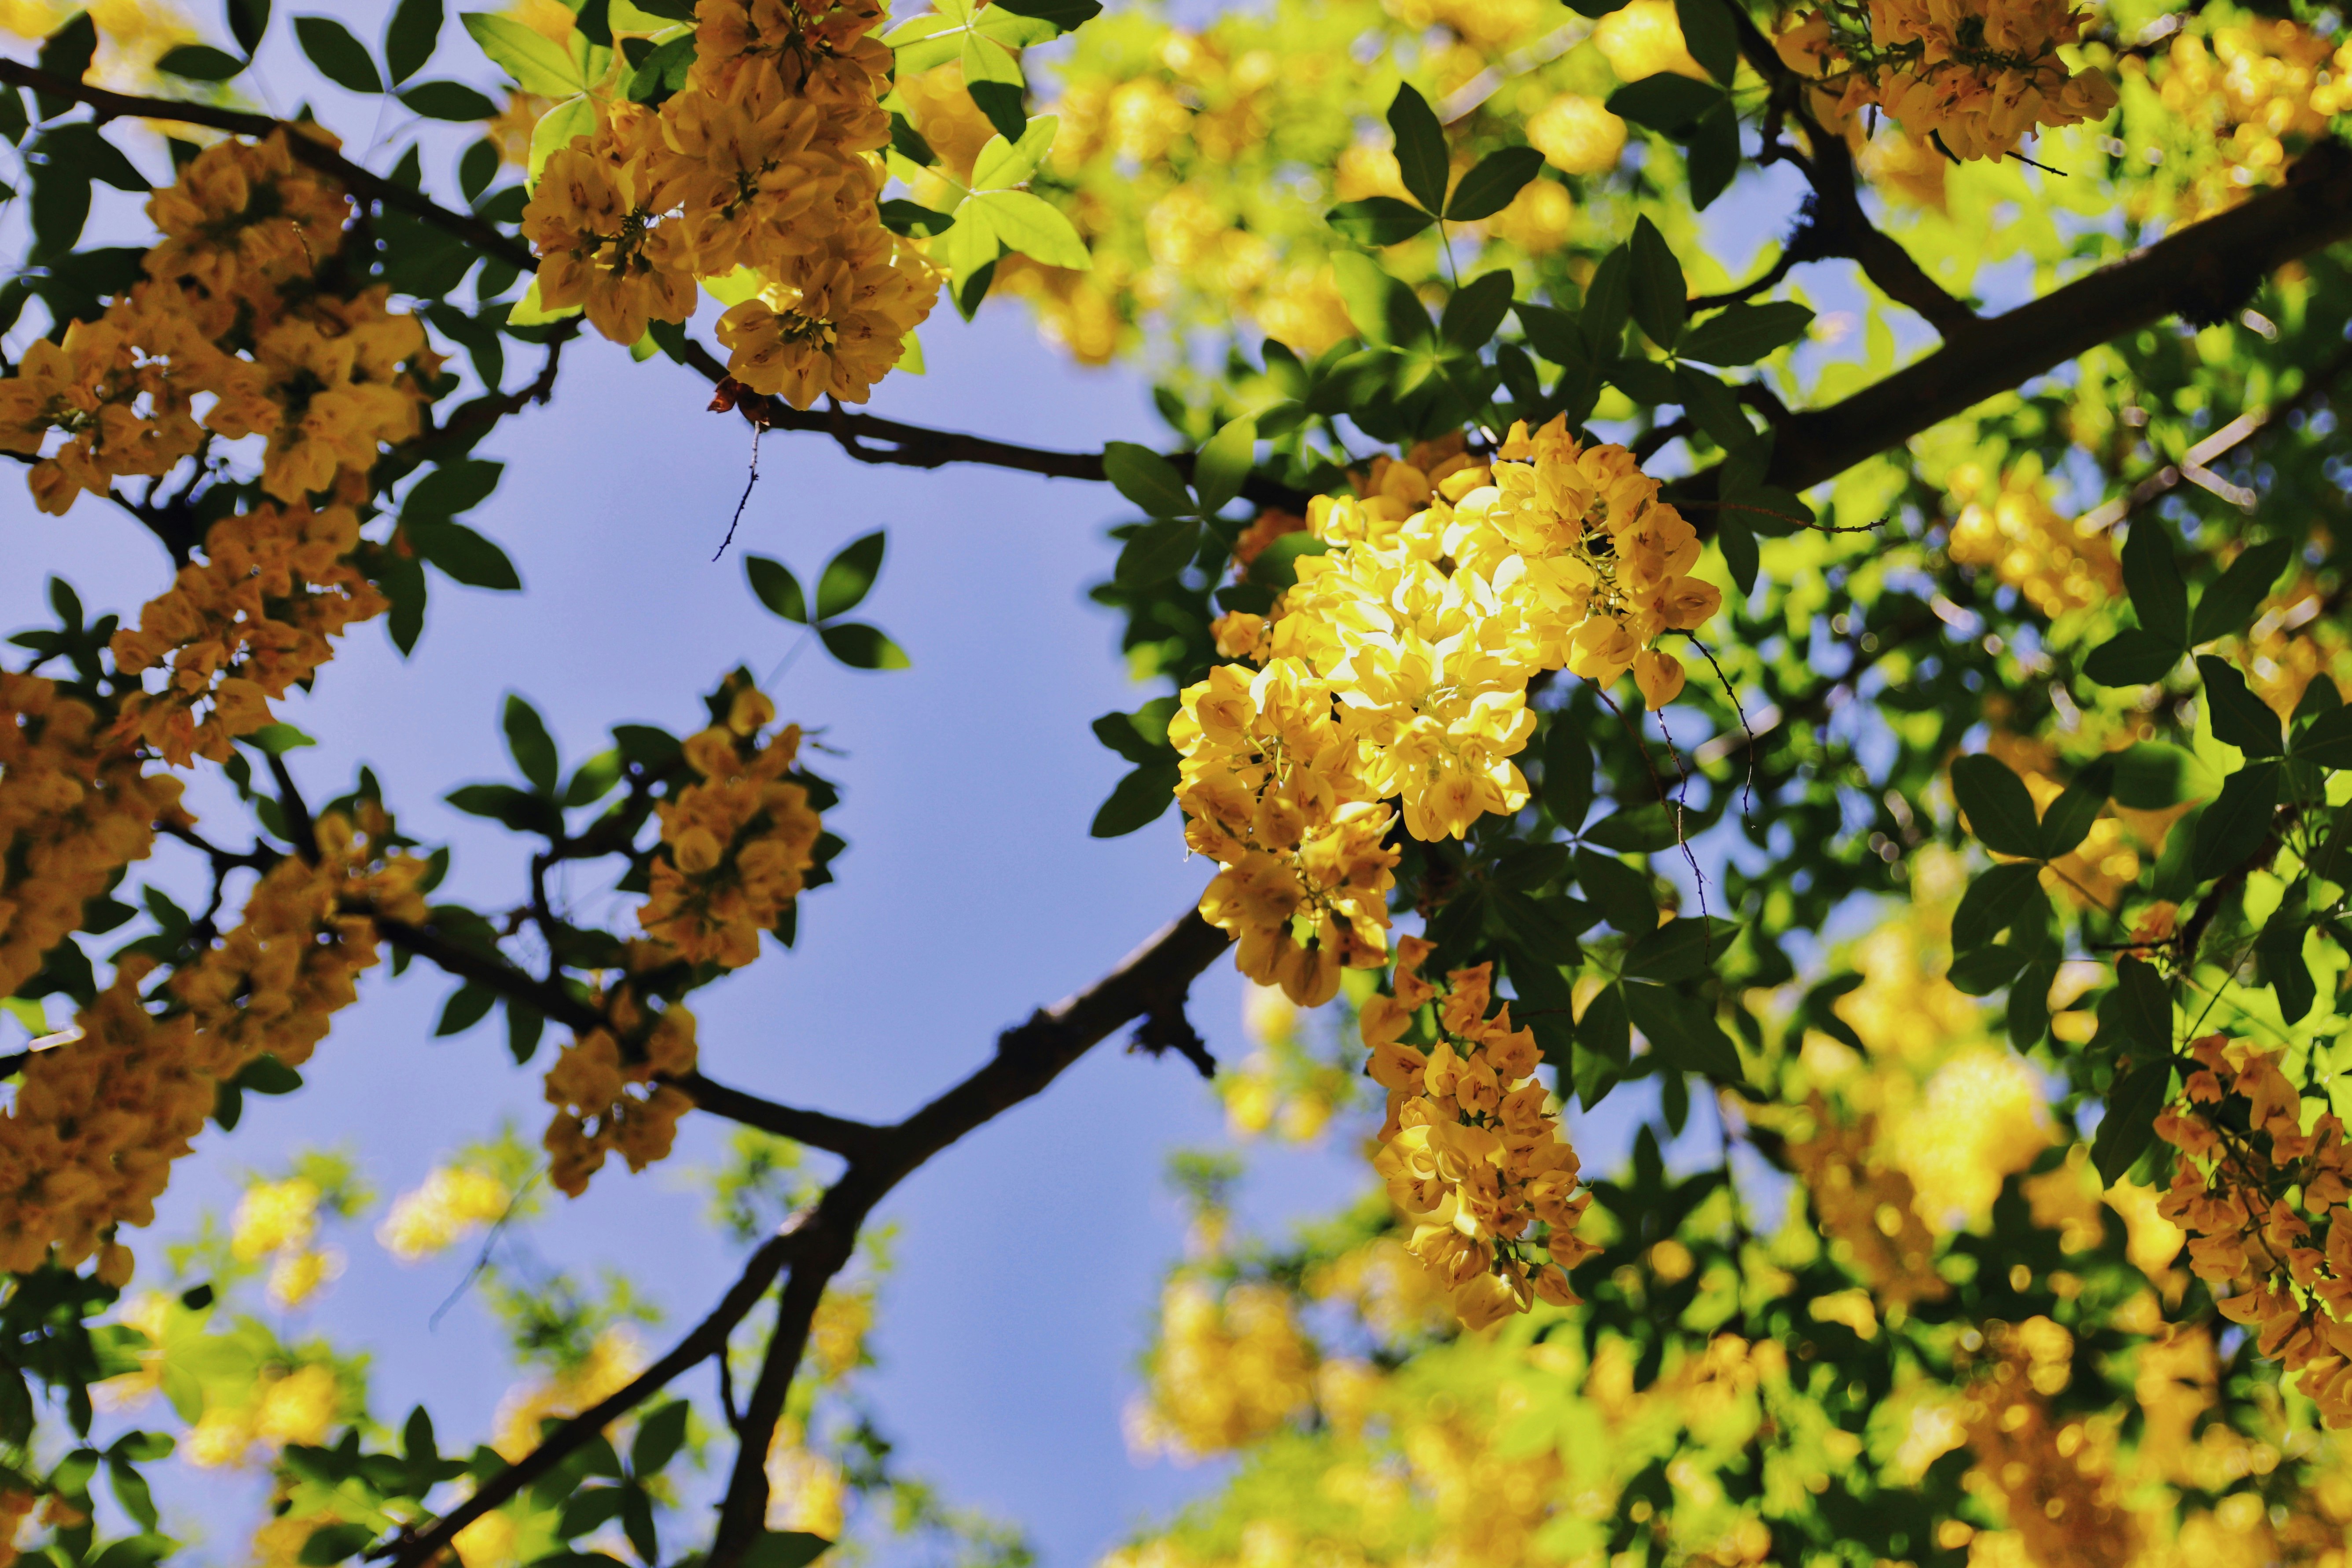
<point x="834" y="1134"/>
<point x="484" y="236"/>
<point x="708" y="1339"/>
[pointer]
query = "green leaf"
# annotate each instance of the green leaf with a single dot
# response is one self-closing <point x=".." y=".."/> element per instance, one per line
<point x="450" y="101"/>
<point x="1710" y="35"/>
<point x="247" y="21"/>
<point x="333" y="1543"/>
<point x="1003" y="163"/>
<point x="1999" y="806"/>
<point x="1639" y="829"/>
<point x="1136" y="800"/>
<point x="526" y="55"/>
<point x="849" y="576"/>
<point x="1493" y="183"/>
<point x="1713" y="407"/>
<point x="451" y="488"/>
<point x="2028" y="1013"/>
<point x="2279" y="948"/>
<point x="2239" y="718"/>
<point x="516" y="808"/>
<point x="1999" y="896"/>
<point x="66" y="55"/>
<point x="1622" y="892"/>
<point x="340" y="58"/>
<point x="1474" y="312"/>
<point x="463" y="555"/>
<point x="1681" y="948"/>
<point x="1032" y="226"/>
<point x="1157" y="552"/>
<point x="2130" y="1125"/>
<point x="1744" y="333"/>
<point x="528" y="742"/>
<point x="559" y="127"/>
<point x="2135" y="656"/>
<point x="2237" y="824"/>
<point x="409" y="41"/>
<point x="1659" y="294"/>
<point x="1222" y="464"/>
<point x="2152" y="578"/>
<point x="1377" y="221"/>
<point x="2329" y="741"/>
<point x="1683" y="1032"/>
<point x="994" y="79"/>
<point x="1012" y="30"/>
<point x="2229" y="604"/>
<point x="1606" y="1028"/>
<point x="659" y="1438"/>
<point x="592" y="780"/>
<point x="861" y="646"/>
<point x="1985" y="969"/>
<point x="925" y="42"/>
<point x="1148" y="480"/>
<point x="777" y="588"/>
<point x="1422" y="162"/>
<point x="2152" y="776"/>
<point x="84" y="149"/>
<point x="1712" y="158"/>
<point x="1666" y="102"/>
<point x="2139" y="1011"/>
<point x="1738" y="542"/>
<point x="1567" y="775"/>
<point x="200" y="62"/>
<point x="468" y="1006"/>
<point x="524" y="1025"/>
<point x="785" y="1549"/>
<point x="1066" y="15"/>
<point x="1119" y="732"/>
<point x="902" y="217"/>
<point x="277" y="740"/>
<point x="2069" y="818"/>
<point x="1384" y="309"/>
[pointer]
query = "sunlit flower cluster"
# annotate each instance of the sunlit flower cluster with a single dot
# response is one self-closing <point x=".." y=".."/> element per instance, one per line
<point x="2266" y="1214"/>
<point x="89" y="1142"/>
<point x="1225" y="1371"/>
<point x="1399" y="666"/>
<point x="240" y="306"/>
<point x="2011" y="527"/>
<point x="2052" y="1473"/>
<point x="74" y="809"/>
<point x="1973" y="76"/>
<point x="454" y="1202"/>
<point x="1866" y="1212"/>
<point x="740" y="841"/>
<point x="604" y="1093"/>
<point x="240" y="629"/>
<point x="2250" y="94"/>
<point x="1472" y="1153"/>
<point x="763" y="169"/>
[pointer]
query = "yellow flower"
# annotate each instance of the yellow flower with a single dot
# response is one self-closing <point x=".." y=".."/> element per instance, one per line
<point x="1643" y="39"/>
<point x="1577" y="135"/>
<point x="274" y="1216"/>
<point x="301" y="1407"/>
<point x="454" y="1202"/>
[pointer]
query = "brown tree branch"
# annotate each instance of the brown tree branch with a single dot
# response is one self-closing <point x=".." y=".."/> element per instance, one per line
<point x="708" y="1339"/>
<point x="2198" y="269"/>
<point x="484" y="236"/>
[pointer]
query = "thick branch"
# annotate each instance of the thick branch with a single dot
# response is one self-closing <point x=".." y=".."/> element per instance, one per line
<point x="1028" y="1058"/>
<point x="708" y="1339"/>
<point x="483" y="235"/>
<point x="833" y="1133"/>
<point x="2199" y="270"/>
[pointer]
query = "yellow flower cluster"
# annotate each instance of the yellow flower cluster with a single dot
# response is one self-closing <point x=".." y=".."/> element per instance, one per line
<point x="2012" y="527"/>
<point x="1225" y="1373"/>
<point x="454" y="1201"/>
<point x="15" y="1507"/>
<point x="2246" y="93"/>
<point x="1865" y="1210"/>
<point x="2054" y="1476"/>
<point x="1975" y="76"/>
<point x="74" y="810"/>
<point x="239" y="629"/>
<point x="90" y="1141"/>
<point x="1399" y="666"/>
<point x="604" y="1096"/>
<point x="740" y="841"/>
<point x="1473" y="1155"/>
<point x="765" y="161"/>
<point x="303" y="1407"/>
<point x="279" y="1221"/>
<point x="2266" y="1214"/>
<point x="237" y="306"/>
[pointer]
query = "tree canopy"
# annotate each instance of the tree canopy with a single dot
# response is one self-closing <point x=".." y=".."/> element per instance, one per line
<point x="1870" y="704"/>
